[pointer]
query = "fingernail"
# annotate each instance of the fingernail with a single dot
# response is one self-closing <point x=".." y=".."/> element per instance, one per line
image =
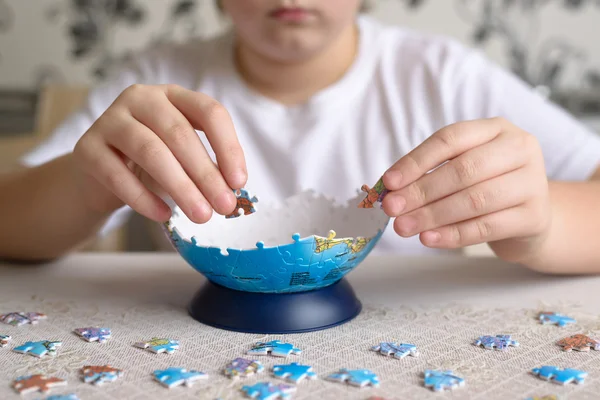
<point x="238" y="179"/>
<point x="225" y="201"/>
<point x="399" y="205"/>
<point x="392" y="179"/>
<point x="201" y="211"/>
<point x="433" y="237"/>
<point x="407" y="225"/>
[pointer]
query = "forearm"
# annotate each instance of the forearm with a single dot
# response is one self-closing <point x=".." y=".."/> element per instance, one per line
<point x="43" y="214"/>
<point x="571" y="246"/>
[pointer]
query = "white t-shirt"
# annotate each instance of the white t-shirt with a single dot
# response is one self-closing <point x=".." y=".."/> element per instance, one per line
<point x="402" y="87"/>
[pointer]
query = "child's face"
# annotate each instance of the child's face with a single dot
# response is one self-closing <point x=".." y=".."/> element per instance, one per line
<point x="288" y="30"/>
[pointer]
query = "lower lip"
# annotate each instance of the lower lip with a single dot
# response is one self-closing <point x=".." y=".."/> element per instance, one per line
<point x="291" y="15"/>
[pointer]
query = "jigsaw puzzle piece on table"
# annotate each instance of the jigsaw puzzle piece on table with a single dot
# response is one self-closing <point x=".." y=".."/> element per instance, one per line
<point x="274" y="348"/>
<point x="159" y="345"/>
<point x="374" y="195"/>
<point x="63" y="397"/>
<point x="547" y="318"/>
<point x="4" y="339"/>
<point x="100" y="374"/>
<point x="243" y="368"/>
<point x="22" y="318"/>
<point x="549" y="397"/>
<point x="35" y="383"/>
<point x="441" y="380"/>
<point x="269" y="391"/>
<point x="92" y="334"/>
<point x="560" y="375"/>
<point x="355" y="377"/>
<point x="498" y="342"/>
<point x="579" y="343"/>
<point x="294" y="372"/>
<point x="173" y="376"/>
<point x="245" y="204"/>
<point x="39" y="349"/>
<point x="398" y="350"/>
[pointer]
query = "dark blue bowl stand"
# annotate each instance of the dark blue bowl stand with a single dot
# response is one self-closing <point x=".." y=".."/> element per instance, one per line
<point x="270" y="313"/>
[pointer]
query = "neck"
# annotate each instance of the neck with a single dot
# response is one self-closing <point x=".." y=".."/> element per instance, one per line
<point x="296" y="82"/>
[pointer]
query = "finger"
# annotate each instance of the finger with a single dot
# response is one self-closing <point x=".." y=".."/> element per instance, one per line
<point x="443" y="145"/>
<point x="212" y="118"/>
<point x="504" y="154"/>
<point x="496" y="194"/>
<point x="137" y="142"/>
<point x="108" y="168"/>
<point x="504" y="224"/>
<point x="168" y="123"/>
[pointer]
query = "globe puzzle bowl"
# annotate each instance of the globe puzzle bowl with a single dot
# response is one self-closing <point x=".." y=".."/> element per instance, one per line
<point x="281" y="269"/>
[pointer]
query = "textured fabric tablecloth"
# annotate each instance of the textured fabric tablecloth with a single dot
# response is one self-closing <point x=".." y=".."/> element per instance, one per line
<point x="439" y="304"/>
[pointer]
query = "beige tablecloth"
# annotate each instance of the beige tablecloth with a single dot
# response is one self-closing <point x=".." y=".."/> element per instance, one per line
<point x="439" y="304"/>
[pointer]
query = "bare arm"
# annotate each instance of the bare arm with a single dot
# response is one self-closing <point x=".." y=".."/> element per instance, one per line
<point x="42" y="212"/>
<point x="572" y="246"/>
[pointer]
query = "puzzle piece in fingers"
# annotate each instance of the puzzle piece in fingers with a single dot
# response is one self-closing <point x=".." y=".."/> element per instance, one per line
<point x="375" y="194"/>
<point x="547" y="318"/>
<point x="294" y="372"/>
<point x="159" y="345"/>
<point x="498" y="342"/>
<point x="269" y="391"/>
<point x="398" y="350"/>
<point x="174" y="376"/>
<point x="34" y="383"/>
<point x="99" y="374"/>
<point x="39" y="349"/>
<point x="579" y="343"/>
<point x="72" y="396"/>
<point x="245" y="204"/>
<point x="274" y="348"/>
<point x="93" y="334"/>
<point x="442" y="380"/>
<point x="243" y="368"/>
<point x="4" y="339"/>
<point x="560" y="375"/>
<point x="549" y="397"/>
<point x="22" y="318"/>
<point x="355" y="377"/>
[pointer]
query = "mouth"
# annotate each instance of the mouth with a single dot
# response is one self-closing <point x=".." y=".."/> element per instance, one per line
<point x="291" y="14"/>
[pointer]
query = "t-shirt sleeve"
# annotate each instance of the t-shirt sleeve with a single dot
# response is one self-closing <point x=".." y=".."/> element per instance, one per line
<point x="482" y="89"/>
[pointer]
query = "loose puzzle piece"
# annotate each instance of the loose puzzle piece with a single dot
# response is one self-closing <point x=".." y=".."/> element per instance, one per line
<point x="440" y="380"/>
<point x="549" y="397"/>
<point x="556" y="319"/>
<point x="100" y="374"/>
<point x="158" y="345"/>
<point x="269" y="391"/>
<point x="39" y="349"/>
<point x="63" y="397"/>
<point x="245" y="204"/>
<point x="91" y="334"/>
<point x="33" y="383"/>
<point x="374" y="195"/>
<point x="356" y="377"/>
<point x="397" y="350"/>
<point x="498" y="342"/>
<point x="173" y="376"/>
<point x="4" y="339"/>
<point x="579" y="342"/>
<point x="560" y="375"/>
<point x="242" y="368"/>
<point x="274" y="348"/>
<point x="294" y="372"/>
<point x="22" y="318"/>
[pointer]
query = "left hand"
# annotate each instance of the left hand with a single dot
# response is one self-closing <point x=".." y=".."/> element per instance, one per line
<point x="493" y="188"/>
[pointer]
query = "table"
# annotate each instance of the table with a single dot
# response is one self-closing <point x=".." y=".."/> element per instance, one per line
<point x="441" y="304"/>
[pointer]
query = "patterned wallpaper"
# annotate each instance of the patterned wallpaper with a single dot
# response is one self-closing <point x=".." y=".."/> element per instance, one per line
<point x="551" y="43"/>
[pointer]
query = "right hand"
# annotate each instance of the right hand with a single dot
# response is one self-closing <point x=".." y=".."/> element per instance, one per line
<point x="145" y="147"/>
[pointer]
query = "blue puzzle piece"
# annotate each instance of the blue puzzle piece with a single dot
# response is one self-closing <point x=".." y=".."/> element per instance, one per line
<point x="440" y="380"/>
<point x="173" y="376"/>
<point x="555" y="318"/>
<point x="559" y="375"/>
<point x="157" y="345"/>
<point x="4" y="339"/>
<point x="274" y="348"/>
<point x="38" y="349"/>
<point x="268" y="391"/>
<point x="92" y="334"/>
<point x="356" y="377"/>
<point x="400" y="350"/>
<point x="100" y="374"/>
<point x="498" y="342"/>
<point x="63" y="397"/>
<point x="294" y="372"/>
